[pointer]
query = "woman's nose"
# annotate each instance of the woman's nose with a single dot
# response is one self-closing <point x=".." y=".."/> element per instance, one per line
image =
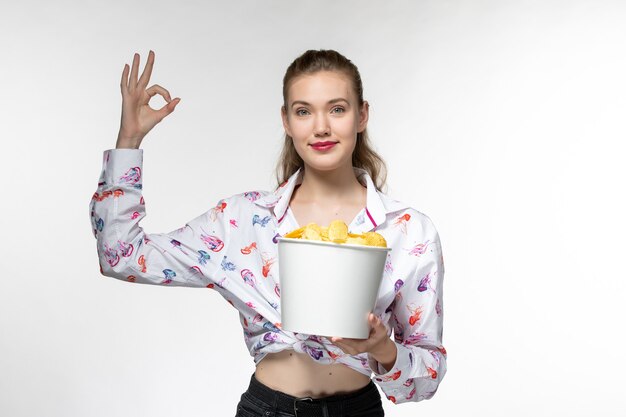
<point x="321" y="127"/>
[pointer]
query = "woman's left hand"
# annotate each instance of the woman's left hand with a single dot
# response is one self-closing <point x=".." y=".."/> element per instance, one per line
<point x="375" y="344"/>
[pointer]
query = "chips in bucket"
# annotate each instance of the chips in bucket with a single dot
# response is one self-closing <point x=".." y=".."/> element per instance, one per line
<point x="337" y="232"/>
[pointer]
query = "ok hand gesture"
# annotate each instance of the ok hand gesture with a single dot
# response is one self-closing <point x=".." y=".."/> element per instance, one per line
<point x="138" y="118"/>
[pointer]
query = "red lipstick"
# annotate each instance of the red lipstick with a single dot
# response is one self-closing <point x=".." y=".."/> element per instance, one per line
<point x="323" y="146"/>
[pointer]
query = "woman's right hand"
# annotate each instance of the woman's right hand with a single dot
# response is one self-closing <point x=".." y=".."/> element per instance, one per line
<point x="138" y="118"/>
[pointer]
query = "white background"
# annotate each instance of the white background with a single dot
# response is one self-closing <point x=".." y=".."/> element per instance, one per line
<point x="501" y="120"/>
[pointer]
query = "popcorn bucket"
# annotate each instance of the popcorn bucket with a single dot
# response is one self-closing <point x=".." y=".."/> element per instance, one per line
<point x="328" y="289"/>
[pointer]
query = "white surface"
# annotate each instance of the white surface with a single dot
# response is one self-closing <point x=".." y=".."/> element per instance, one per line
<point x="307" y="269"/>
<point x="502" y="120"/>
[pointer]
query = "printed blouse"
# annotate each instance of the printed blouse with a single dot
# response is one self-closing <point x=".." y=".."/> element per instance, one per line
<point x="232" y="249"/>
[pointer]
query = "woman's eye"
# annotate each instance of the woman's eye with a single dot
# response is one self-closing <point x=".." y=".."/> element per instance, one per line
<point x="300" y="110"/>
<point x="339" y="108"/>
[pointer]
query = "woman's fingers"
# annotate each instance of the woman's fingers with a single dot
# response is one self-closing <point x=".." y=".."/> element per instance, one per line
<point x="147" y="71"/>
<point x="132" y="83"/>
<point x="138" y="118"/>
<point x="124" y="81"/>
<point x="157" y="89"/>
<point x="168" y="108"/>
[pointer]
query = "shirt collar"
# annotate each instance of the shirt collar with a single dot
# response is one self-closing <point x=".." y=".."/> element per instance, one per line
<point x="376" y="210"/>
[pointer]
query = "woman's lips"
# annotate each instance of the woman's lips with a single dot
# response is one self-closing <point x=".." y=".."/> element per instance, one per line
<point x="323" y="146"/>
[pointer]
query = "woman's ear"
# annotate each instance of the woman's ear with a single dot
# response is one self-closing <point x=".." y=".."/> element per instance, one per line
<point x="283" y="115"/>
<point x="363" y="116"/>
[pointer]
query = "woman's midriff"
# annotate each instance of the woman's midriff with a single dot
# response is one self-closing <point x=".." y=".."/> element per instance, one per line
<point x="299" y="375"/>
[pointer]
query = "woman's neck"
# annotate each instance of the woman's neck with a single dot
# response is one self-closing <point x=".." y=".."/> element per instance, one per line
<point x="331" y="187"/>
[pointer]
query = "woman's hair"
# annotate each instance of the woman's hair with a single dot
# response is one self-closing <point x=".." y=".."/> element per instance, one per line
<point x="363" y="156"/>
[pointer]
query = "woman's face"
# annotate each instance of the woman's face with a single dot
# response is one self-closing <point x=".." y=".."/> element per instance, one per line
<point x="322" y="107"/>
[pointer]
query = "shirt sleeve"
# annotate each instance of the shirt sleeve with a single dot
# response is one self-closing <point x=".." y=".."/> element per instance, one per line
<point x="188" y="256"/>
<point x="418" y="328"/>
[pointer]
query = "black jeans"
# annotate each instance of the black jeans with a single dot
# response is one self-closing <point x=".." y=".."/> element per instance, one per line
<point x="262" y="401"/>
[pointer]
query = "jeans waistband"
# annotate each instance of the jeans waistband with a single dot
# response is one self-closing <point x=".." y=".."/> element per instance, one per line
<point x="363" y="398"/>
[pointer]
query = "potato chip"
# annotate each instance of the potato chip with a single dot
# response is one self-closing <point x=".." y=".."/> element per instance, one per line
<point x="296" y="234"/>
<point x="375" y="239"/>
<point x="337" y="232"/>
<point x="356" y="240"/>
<point x="312" y="232"/>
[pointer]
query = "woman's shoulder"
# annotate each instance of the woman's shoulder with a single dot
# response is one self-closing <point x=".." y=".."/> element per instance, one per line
<point x="401" y="211"/>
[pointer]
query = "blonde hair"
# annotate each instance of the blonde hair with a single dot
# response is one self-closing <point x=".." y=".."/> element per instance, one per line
<point x="364" y="155"/>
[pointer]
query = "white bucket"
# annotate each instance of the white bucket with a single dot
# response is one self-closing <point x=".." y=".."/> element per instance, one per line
<point x="328" y="289"/>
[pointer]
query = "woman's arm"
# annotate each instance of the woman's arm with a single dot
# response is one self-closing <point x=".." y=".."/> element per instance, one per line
<point x="418" y="327"/>
<point x="188" y="256"/>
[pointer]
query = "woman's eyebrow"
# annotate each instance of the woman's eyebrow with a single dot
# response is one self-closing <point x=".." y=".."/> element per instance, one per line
<point x="335" y="100"/>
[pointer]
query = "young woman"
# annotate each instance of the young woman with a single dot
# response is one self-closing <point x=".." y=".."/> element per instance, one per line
<point x="327" y="171"/>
